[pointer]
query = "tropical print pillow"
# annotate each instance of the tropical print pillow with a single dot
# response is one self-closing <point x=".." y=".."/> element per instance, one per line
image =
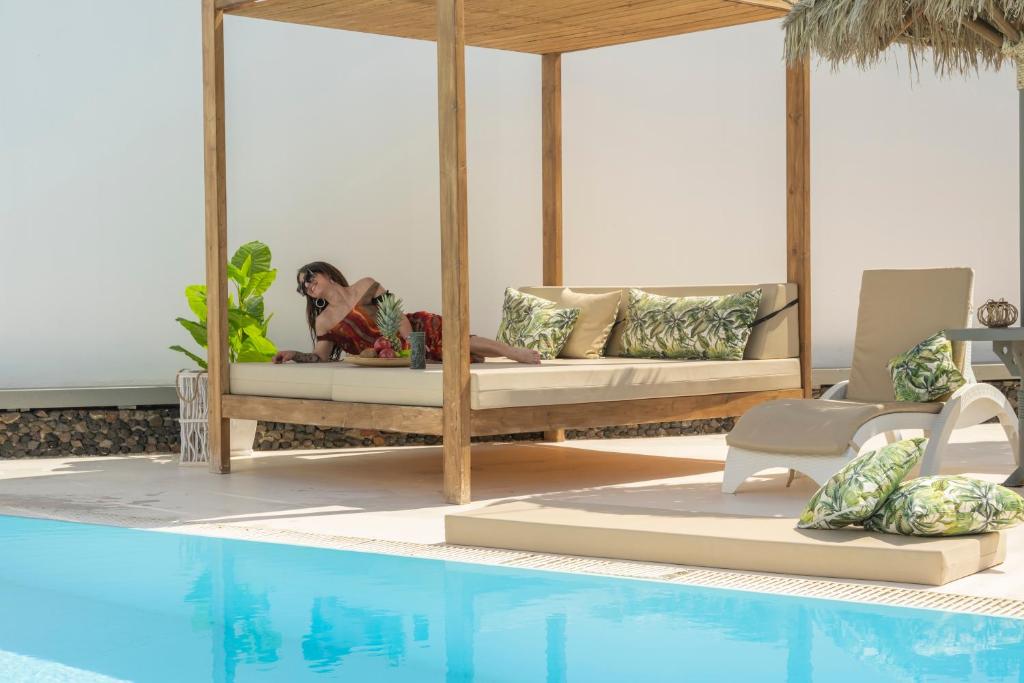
<point x="855" y="492"/>
<point x="531" y="322"/>
<point x="947" y="506"/>
<point x="926" y="372"/>
<point x="693" y="327"/>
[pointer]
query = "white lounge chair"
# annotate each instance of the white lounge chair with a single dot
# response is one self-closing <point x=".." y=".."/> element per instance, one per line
<point x="897" y="309"/>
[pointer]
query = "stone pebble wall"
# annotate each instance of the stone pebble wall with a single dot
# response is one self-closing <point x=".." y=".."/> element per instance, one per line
<point x="63" y="432"/>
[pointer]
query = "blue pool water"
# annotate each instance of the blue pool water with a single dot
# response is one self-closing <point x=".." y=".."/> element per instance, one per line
<point x="91" y="603"/>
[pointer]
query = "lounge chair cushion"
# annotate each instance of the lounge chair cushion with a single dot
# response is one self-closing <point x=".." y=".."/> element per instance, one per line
<point x="531" y="322"/>
<point x="947" y="506"/>
<point x="926" y="372"/>
<point x="597" y="317"/>
<point x="899" y="308"/>
<point x="693" y="328"/>
<point x="811" y="426"/>
<point x="776" y="337"/>
<point x="855" y="492"/>
<point x="758" y="544"/>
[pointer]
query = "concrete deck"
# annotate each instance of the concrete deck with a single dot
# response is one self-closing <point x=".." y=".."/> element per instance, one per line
<point x="395" y="494"/>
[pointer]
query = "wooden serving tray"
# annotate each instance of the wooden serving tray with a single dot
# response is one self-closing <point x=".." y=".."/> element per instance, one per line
<point x="378" y="362"/>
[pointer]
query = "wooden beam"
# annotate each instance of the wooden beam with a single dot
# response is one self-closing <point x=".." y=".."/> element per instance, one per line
<point x="781" y="5"/>
<point x="905" y="26"/>
<point x="609" y="413"/>
<point x="429" y="420"/>
<point x="534" y="26"/>
<point x="413" y="419"/>
<point x="216" y="235"/>
<point x="798" y="204"/>
<point x="451" y="100"/>
<point x="229" y="5"/>
<point x="1002" y="23"/>
<point x="551" y="180"/>
<point x="551" y="166"/>
<point x="985" y="32"/>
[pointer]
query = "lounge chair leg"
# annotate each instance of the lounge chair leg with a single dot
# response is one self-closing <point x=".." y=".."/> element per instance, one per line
<point x="737" y="469"/>
<point x="732" y="479"/>
<point x="1011" y="426"/>
<point x="936" y="447"/>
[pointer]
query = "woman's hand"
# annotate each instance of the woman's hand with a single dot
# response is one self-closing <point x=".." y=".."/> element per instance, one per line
<point x="284" y="356"/>
<point x="321" y="354"/>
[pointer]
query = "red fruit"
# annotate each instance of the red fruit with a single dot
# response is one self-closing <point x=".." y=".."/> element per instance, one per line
<point x="381" y="344"/>
<point x="386" y="353"/>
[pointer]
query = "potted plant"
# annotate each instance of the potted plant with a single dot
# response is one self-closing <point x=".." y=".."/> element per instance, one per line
<point x="250" y="272"/>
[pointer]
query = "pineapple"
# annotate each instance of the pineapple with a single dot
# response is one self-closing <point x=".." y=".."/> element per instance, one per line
<point x="389" y="317"/>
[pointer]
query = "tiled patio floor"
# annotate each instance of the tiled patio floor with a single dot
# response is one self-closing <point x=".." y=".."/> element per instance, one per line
<point x="394" y="494"/>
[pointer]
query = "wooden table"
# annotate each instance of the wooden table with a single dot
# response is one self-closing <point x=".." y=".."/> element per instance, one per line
<point x="1008" y="343"/>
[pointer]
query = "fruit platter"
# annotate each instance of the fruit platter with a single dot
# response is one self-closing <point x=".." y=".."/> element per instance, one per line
<point x="400" y="361"/>
<point x="388" y="350"/>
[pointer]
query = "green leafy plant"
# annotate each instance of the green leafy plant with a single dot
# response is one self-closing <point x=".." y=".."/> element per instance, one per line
<point x="249" y="269"/>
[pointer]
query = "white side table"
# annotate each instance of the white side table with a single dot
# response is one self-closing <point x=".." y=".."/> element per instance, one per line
<point x="1008" y="343"/>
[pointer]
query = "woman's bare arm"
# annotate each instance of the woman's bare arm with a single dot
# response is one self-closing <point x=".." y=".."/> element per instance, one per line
<point x="321" y="354"/>
<point x="366" y="289"/>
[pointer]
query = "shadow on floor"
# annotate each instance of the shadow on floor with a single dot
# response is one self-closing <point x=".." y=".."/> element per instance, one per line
<point x="151" y="491"/>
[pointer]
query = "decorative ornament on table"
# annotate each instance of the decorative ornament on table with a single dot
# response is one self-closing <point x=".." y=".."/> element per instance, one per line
<point x="389" y="320"/>
<point x="997" y="313"/>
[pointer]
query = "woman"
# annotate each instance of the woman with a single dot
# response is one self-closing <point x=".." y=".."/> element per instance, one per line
<point x="342" y="317"/>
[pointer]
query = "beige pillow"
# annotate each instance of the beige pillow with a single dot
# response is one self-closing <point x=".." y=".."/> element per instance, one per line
<point x="597" y="315"/>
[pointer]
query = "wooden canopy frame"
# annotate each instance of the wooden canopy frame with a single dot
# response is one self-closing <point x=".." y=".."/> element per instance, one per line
<point x="545" y="27"/>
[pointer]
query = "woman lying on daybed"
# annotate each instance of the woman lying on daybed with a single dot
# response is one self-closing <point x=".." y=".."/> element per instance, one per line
<point x="342" y="317"/>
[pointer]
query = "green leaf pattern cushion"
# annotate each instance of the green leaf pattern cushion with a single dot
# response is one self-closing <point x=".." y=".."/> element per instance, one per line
<point x="531" y="322"/>
<point x="855" y="492"/>
<point x="947" y="506"/>
<point x="693" y="327"/>
<point x="926" y="372"/>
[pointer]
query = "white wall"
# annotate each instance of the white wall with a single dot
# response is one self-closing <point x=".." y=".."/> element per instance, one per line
<point x="674" y="173"/>
<point x="100" y="189"/>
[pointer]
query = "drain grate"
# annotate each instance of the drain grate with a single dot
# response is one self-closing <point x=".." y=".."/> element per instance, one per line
<point x="709" y="578"/>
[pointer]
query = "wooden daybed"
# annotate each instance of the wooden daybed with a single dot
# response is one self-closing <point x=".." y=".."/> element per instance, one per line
<point x="507" y="397"/>
<point x="497" y="398"/>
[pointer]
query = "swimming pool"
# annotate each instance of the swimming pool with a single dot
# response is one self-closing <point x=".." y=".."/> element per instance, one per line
<point x="93" y="603"/>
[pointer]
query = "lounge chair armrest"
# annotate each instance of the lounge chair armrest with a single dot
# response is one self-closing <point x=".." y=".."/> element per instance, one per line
<point x="836" y="392"/>
<point x="973" y="392"/>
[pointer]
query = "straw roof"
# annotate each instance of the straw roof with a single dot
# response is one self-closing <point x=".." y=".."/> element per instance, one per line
<point x="535" y="26"/>
<point x="960" y="35"/>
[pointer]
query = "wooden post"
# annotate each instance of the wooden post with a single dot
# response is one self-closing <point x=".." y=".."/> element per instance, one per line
<point x="216" y="235"/>
<point x="551" y="179"/>
<point x="451" y="102"/>
<point x="551" y="172"/>
<point x="798" y="204"/>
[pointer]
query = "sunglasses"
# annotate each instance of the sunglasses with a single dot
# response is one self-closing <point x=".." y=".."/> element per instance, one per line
<point x="307" y="277"/>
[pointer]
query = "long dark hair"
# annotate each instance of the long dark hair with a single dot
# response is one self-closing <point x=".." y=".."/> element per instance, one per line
<point x="312" y="311"/>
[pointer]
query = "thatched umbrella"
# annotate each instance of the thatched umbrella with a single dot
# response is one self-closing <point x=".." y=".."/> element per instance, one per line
<point x="959" y="37"/>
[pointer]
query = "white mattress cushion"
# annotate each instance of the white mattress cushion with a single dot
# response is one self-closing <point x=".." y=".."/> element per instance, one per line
<point x="394" y="386"/>
<point x="503" y="384"/>
<point x="287" y="380"/>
